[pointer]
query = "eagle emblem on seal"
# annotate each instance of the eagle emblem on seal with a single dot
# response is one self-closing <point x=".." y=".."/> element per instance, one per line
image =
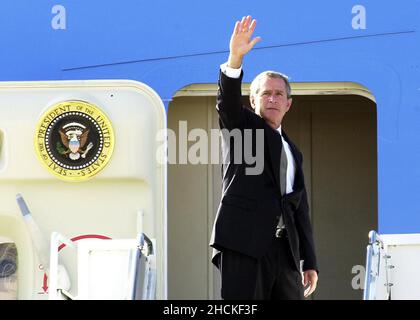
<point x="74" y="137"/>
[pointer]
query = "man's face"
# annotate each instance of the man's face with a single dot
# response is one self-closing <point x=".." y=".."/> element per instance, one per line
<point x="271" y="102"/>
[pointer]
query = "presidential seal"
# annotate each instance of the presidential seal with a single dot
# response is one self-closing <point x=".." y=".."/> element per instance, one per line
<point x="74" y="140"/>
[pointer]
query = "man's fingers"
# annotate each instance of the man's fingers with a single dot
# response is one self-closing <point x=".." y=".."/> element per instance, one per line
<point x="253" y="25"/>
<point x="309" y="278"/>
<point x="310" y="290"/>
<point x="237" y="27"/>
<point x="242" y="22"/>
<point x="245" y="25"/>
<point x="241" y="41"/>
<point x="307" y="292"/>
<point x="247" y="22"/>
<point x="304" y="279"/>
<point x="255" y="40"/>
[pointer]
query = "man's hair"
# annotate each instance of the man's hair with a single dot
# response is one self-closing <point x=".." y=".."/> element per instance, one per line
<point x="255" y="84"/>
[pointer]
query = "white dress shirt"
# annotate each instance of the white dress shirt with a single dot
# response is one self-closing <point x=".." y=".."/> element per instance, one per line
<point x="291" y="164"/>
<point x="231" y="72"/>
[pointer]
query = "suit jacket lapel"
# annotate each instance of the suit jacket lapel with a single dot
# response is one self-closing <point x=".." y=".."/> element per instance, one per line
<point x="274" y="146"/>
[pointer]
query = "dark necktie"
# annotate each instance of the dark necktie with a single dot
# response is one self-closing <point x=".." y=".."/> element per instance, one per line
<point x="283" y="170"/>
<point x="283" y="178"/>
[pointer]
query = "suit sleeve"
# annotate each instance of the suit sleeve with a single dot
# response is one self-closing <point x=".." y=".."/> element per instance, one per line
<point x="229" y="102"/>
<point x="304" y="228"/>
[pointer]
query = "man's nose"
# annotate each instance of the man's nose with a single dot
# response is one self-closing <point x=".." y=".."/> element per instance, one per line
<point x="272" y="98"/>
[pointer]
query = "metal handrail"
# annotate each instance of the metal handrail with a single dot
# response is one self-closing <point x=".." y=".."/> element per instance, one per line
<point x="373" y="255"/>
<point x="143" y="289"/>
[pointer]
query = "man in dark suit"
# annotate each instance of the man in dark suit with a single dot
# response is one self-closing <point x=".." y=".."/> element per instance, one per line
<point x="262" y="230"/>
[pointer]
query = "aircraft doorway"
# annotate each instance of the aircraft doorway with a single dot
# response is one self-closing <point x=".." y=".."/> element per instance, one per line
<point x="334" y="125"/>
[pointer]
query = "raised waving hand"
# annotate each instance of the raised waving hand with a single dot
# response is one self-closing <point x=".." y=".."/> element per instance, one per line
<point x="241" y="41"/>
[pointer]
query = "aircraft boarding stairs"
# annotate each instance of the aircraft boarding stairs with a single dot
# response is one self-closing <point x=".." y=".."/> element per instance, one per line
<point x="111" y="269"/>
<point x="392" y="266"/>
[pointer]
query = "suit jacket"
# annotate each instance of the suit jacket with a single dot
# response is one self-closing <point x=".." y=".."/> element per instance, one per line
<point x="251" y="205"/>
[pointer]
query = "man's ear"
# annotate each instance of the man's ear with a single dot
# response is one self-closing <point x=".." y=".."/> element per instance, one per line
<point x="252" y="101"/>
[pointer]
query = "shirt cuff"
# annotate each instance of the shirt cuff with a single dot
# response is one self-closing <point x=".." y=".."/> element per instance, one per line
<point x="231" y="72"/>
